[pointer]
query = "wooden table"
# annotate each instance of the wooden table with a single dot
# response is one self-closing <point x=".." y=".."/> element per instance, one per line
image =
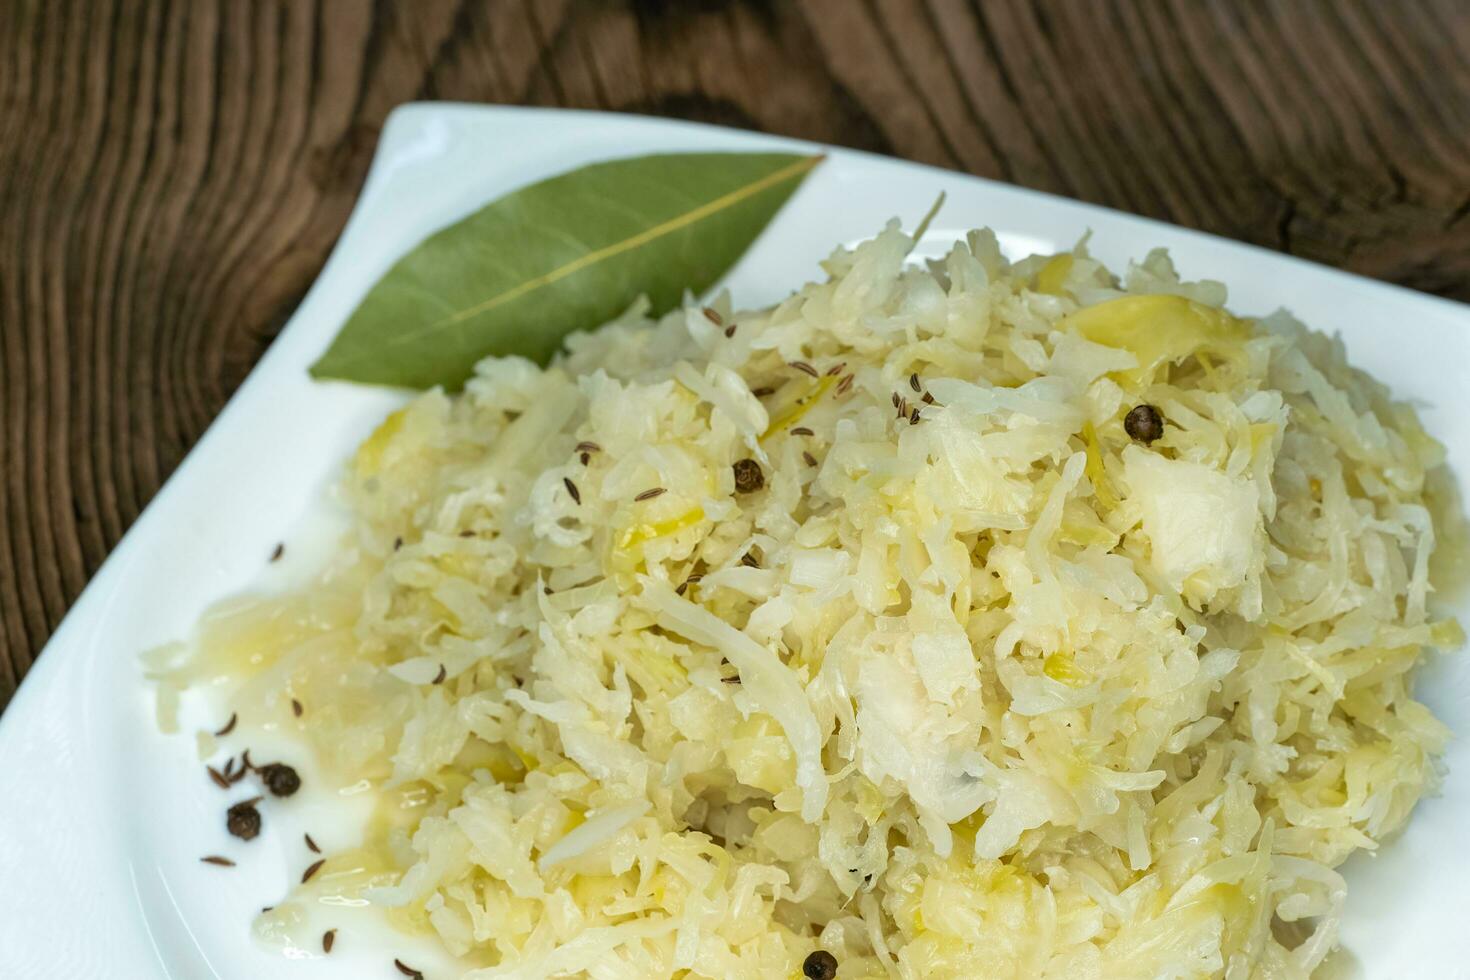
<point x="174" y="172"/>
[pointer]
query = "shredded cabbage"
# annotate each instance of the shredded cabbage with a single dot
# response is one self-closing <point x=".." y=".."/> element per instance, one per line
<point x="974" y="685"/>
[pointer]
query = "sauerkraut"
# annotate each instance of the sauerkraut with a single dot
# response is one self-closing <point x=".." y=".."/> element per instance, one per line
<point x="968" y="683"/>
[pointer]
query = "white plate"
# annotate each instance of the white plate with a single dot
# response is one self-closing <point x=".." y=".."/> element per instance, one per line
<point x="102" y="820"/>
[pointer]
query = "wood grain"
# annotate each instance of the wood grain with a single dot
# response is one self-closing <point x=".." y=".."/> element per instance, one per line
<point x="174" y="172"/>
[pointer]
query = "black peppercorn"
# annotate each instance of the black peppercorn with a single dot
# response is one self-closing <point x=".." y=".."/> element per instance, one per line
<point x="821" y="965"/>
<point x="243" y="820"/>
<point x="748" y="476"/>
<point x="1144" y="423"/>
<point x="280" y="779"/>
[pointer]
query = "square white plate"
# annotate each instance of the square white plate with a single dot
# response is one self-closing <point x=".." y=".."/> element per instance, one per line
<point x="102" y="819"/>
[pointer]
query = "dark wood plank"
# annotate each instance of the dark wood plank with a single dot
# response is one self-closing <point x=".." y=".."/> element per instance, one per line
<point x="174" y="172"/>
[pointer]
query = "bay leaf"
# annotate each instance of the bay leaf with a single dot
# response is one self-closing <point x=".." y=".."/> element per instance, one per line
<point x="566" y="254"/>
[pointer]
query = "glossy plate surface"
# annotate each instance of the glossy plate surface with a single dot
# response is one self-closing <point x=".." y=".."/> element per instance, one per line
<point x="103" y="820"/>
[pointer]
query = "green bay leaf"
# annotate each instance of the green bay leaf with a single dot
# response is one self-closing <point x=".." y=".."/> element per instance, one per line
<point x="566" y="254"/>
